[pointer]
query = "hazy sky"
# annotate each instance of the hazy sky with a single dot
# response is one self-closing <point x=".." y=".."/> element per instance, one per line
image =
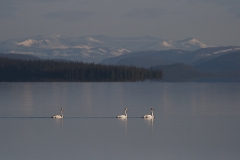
<point x="210" y="21"/>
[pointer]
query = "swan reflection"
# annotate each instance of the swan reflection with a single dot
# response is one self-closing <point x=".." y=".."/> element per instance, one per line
<point x="149" y="122"/>
<point x="59" y="122"/>
<point x="123" y="122"/>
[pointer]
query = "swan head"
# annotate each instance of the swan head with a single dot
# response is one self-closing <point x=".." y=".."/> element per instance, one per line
<point x="126" y="109"/>
<point x="152" y="109"/>
<point x="61" y="109"/>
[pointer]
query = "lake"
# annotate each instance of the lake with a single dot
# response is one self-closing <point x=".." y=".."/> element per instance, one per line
<point x="193" y="121"/>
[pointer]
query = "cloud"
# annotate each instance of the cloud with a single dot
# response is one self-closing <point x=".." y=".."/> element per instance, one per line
<point x="8" y="9"/>
<point x="235" y="11"/>
<point x="179" y="13"/>
<point x="220" y="2"/>
<point x="70" y="15"/>
<point x="224" y="2"/>
<point x="146" y="13"/>
<point x="80" y="1"/>
<point x="50" y="0"/>
<point x="233" y="6"/>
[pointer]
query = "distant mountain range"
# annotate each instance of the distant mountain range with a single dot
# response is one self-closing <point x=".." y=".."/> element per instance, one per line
<point x="180" y="60"/>
<point x="92" y="48"/>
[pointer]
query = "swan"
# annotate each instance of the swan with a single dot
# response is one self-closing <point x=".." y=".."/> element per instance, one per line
<point x="125" y="114"/>
<point x="57" y="115"/>
<point x="149" y="115"/>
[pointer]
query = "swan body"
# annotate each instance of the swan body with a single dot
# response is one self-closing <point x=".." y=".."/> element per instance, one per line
<point x="149" y="116"/>
<point x="125" y="114"/>
<point x="57" y="115"/>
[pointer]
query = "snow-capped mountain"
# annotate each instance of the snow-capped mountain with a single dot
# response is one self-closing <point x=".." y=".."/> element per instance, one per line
<point x="185" y="44"/>
<point x="91" y="48"/>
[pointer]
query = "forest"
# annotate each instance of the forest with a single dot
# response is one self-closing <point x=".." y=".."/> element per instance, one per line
<point x="16" y="70"/>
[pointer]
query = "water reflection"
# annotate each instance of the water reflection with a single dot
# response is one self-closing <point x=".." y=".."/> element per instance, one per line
<point x="193" y="121"/>
<point x="88" y="97"/>
<point x="123" y="122"/>
<point x="149" y="122"/>
<point x="27" y="98"/>
<point x="59" y="122"/>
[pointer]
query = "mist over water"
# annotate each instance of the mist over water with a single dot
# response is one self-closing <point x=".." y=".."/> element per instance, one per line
<point x="192" y="121"/>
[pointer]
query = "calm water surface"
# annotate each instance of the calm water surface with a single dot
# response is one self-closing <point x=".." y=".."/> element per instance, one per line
<point x="193" y="121"/>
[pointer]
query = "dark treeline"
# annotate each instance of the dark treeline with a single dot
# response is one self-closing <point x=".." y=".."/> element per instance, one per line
<point x="50" y="70"/>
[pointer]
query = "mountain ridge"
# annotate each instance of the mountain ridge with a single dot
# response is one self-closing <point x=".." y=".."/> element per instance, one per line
<point x="93" y="48"/>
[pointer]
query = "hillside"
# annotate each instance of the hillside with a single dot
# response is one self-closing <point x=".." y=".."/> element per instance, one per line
<point x="180" y="72"/>
<point x="168" y="57"/>
<point x="227" y="62"/>
<point x="206" y="54"/>
<point x="180" y="65"/>
<point x="149" y="58"/>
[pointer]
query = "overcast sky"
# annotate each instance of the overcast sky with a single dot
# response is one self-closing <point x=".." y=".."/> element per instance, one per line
<point x="210" y="21"/>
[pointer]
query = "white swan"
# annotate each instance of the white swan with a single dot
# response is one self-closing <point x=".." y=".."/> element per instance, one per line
<point x="57" y="115"/>
<point x="125" y="114"/>
<point x="149" y="115"/>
